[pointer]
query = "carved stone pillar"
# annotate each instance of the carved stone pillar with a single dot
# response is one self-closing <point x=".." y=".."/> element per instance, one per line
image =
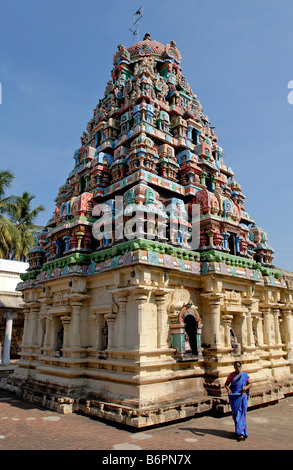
<point x="258" y="329"/>
<point x="47" y="338"/>
<point x="214" y="302"/>
<point x="250" y="337"/>
<point x="79" y="236"/>
<point x="178" y="339"/>
<point x="122" y="302"/>
<point x="48" y="341"/>
<point x="161" y="330"/>
<point x="110" y="318"/>
<point x="41" y="330"/>
<point x="245" y="334"/>
<point x="76" y="299"/>
<point x="26" y="311"/>
<point x="75" y="322"/>
<point x="8" y="334"/>
<point x="249" y="331"/>
<point x="65" y="322"/>
<point x="28" y="327"/>
<point x="198" y="340"/>
<point x="98" y="319"/>
<point x="140" y="296"/>
<point x="276" y="313"/>
<point x="227" y="321"/>
<point x="287" y="331"/>
<point x="34" y="323"/>
<point x="267" y="325"/>
<point x="210" y="234"/>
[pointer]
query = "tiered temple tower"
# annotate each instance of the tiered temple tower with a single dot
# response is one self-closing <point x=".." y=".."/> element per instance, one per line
<point x="151" y="278"/>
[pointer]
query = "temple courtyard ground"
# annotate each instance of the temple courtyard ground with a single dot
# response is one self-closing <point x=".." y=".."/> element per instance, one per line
<point x="25" y="426"/>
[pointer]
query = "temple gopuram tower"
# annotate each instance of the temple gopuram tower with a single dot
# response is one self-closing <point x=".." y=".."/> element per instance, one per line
<point x="151" y="278"/>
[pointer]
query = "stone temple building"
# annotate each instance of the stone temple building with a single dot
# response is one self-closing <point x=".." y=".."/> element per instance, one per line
<point x="151" y="278"/>
<point x="11" y="310"/>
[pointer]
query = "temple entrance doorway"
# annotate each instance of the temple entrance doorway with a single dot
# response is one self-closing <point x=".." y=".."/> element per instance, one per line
<point x="191" y="331"/>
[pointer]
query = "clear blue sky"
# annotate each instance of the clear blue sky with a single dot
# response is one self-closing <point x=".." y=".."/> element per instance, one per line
<point x="56" y="58"/>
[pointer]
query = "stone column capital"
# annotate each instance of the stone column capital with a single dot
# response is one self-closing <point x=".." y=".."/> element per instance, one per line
<point x="265" y="307"/>
<point x="248" y="303"/>
<point x="10" y="315"/>
<point x="140" y="292"/>
<point x="34" y="305"/>
<point x="110" y="317"/>
<point x="121" y="295"/>
<point x="213" y="297"/>
<point x="77" y="298"/>
<point x="286" y="311"/>
<point x="227" y="318"/>
<point x="163" y="290"/>
<point x="276" y="310"/>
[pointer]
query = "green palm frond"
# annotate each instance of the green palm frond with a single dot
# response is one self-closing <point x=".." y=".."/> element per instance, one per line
<point x="17" y="221"/>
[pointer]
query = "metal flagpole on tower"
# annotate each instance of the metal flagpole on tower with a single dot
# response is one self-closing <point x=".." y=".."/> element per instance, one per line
<point x="136" y="17"/>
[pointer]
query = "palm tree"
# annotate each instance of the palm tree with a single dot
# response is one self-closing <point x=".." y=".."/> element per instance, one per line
<point x="23" y="217"/>
<point x="9" y="236"/>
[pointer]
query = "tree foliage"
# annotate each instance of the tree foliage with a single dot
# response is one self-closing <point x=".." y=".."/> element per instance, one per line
<point x="17" y="221"/>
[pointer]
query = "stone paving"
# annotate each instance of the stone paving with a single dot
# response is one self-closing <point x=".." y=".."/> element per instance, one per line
<point x="26" y="426"/>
